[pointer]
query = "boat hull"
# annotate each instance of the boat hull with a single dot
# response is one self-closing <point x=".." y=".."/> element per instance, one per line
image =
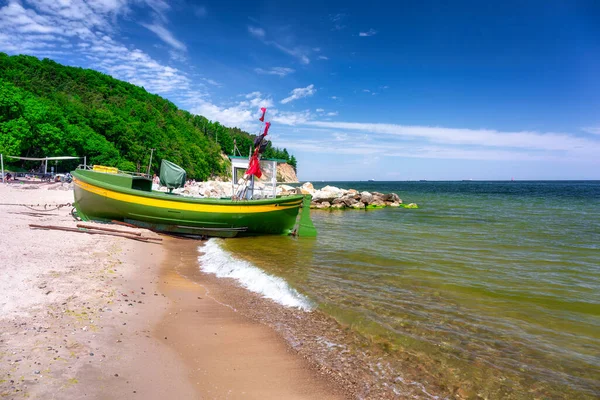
<point x="95" y="199"/>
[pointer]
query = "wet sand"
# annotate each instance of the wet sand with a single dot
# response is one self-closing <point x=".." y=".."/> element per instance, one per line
<point x="227" y="354"/>
<point x="110" y="318"/>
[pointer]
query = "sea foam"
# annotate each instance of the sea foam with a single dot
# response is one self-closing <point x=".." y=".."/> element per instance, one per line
<point x="217" y="261"/>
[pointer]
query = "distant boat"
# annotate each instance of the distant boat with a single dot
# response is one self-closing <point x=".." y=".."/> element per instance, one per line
<point x="371" y="180"/>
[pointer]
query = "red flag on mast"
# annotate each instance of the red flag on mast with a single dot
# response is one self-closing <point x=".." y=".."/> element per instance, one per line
<point x="267" y="126"/>
<point x="254" y="166"/>
<point x="262" y="117"/>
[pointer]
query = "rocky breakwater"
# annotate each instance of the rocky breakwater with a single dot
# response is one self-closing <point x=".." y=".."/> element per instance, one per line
<point x="331" y="197"/>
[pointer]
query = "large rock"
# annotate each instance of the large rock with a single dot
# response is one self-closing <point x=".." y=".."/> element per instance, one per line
<point x="338" y="205"/>
<point x="393" y="197"/>
<point x="285" y="190"/>
<point x="349" y="201"/>
<point x="352" y="192"/>
<point x="366" y="197"/>
<point x="300" y="190"/>
<point x="308" y="187"/>
<point x="378" y="203"/>
<point x="358" y="204"/>
<point x="324" y="204"/>
<point x="328" y="193"/>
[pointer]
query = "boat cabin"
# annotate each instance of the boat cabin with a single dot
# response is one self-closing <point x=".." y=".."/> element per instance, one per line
<point x="263" y="188"/>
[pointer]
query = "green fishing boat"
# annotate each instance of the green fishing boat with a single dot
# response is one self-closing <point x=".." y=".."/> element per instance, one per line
<point x="106" y="194"/>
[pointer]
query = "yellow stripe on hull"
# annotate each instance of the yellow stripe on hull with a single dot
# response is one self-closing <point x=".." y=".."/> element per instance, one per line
<point x="184" y="206"/>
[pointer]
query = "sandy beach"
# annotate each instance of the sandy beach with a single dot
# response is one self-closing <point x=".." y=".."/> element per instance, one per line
<point x="108" y="317"/>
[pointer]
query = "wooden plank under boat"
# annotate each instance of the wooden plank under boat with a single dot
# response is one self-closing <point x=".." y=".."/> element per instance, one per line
<point x="107" y="196"/>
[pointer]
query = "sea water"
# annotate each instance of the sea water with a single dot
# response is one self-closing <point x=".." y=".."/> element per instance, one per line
<point x="496" y="284"/>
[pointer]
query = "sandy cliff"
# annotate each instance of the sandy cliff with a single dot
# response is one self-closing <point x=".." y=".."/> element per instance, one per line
<point x="286" y="173"/>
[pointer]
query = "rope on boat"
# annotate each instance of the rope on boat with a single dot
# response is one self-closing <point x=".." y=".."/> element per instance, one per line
<point x="45" y="209"/>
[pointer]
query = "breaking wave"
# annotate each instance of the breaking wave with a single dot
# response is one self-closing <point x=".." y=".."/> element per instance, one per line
<point x="213" y="259"/>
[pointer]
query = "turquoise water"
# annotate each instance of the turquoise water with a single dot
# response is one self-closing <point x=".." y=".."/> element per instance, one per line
<point x="495" y="285"/>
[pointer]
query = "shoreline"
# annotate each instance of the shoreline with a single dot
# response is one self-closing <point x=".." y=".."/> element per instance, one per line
<point x="357" y="363"/>
<point x="239" y="356"/>
<point x="106" y="317"/>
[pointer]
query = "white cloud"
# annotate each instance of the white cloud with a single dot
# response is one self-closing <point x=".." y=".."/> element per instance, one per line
<point x="332" y="113"/>
<point x="91" y="27"/>
<point x="320" y="110"/>
<point x="334" y="98"/>
<point x="243" y="114"/>
<point x="316" y="49"/>
<point x="366" y="91"/>
<point x="234" y="116"/>
<point x="551" y="143"/>
<point x="279" y="71"/>
<point x="165" y="35"/>
<point x="337" y="20"/>
<point x="299" y="93"/>
<point x="297" y="52"/>
<point x="594" y="130"/>
<point x="323" y="58"/>
<point x="291" y="117"/>
<point x="370" y="32"/>
<point x="211" y="82"/>
<point x="258" y="32"/>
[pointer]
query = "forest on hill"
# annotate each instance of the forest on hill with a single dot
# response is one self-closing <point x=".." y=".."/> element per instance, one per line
<point x="48" y="109"/>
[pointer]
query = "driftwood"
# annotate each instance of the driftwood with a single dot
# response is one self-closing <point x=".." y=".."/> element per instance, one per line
<point x="114" y="221"/>
<point x="91" y="232"/>
<point x="101" y="228"/>
<point x="32" y="214"/>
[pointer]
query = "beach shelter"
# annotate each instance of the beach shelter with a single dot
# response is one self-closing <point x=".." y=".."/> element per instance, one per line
<point x="45" y="159"/>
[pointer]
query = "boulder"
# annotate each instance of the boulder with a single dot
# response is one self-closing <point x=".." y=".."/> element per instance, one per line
<point x="393" y="204"/>
<point x="393" y="197"/>
<point x="287" y="188"/>
<point x="358" y="205"/>
<point x="339" y="200"/>
<point x="411" y="205"/>
<point x="313" y="204"/>
<point x="378" y="203"/>
<point x="300" y="190"/>
<point x="324" y="204"/>
<point x="308" y="187"/>
<point x="352" y="192"/>
<point x="366" y="197"/>
<point x="328" y="193"/>
<point x="338" y="205"/>
<point x="349" y="201"/>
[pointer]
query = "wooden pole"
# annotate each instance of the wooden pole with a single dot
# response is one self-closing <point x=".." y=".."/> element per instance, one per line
<point x="101" y="228"/>
<point x="150" y="163"/>
<point x="91" y="232"/>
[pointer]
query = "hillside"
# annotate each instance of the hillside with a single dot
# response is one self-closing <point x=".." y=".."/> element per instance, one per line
<point x="48" y="109"/>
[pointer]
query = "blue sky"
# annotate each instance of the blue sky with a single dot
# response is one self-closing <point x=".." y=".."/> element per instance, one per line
<point x="356" y="90"/>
